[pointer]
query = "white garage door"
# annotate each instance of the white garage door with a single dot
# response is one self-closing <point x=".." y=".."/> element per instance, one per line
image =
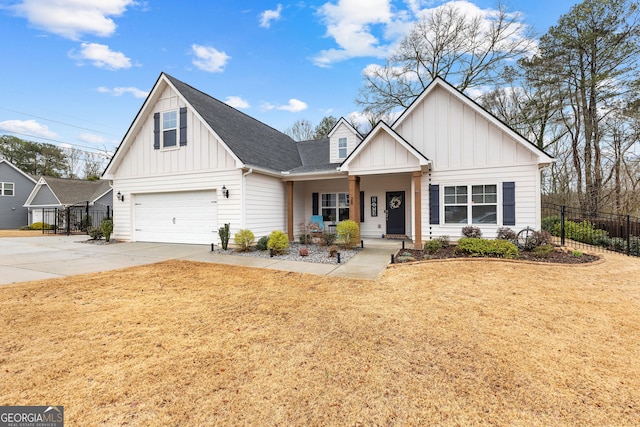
<point x="181" y="217"/>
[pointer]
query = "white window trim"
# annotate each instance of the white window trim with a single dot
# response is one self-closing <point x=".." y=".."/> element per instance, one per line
<point x="3" y="190"/>
<point x="176" y="129"/>
<point x="345" y="148"/>
<point x="336" y="208"/>
<point x="469" y="205"/>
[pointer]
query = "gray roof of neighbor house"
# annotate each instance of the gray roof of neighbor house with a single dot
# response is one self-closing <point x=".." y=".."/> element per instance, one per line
<point x="255" y="143"/>
<point x="76" y="191"/>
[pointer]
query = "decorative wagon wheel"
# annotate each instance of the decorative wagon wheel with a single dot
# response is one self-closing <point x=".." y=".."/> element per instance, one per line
<point x="525" y="239"/>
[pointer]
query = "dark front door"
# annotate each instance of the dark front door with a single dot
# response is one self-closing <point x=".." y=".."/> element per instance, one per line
<point x="395" y="212"/>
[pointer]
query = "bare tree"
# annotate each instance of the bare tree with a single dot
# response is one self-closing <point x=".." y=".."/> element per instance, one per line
<point x="467" y="51"/>
<point x="301" y="130"/>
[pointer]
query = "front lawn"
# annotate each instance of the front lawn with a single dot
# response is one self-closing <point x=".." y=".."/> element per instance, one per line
<point x="453" y="343"/>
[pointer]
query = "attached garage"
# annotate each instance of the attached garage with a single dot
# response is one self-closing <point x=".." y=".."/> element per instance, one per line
<point x="179" y="217"/>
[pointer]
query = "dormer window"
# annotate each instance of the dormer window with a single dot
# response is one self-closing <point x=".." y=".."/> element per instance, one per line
<point x="342" y="148"/>
<point x="169" y="128"/>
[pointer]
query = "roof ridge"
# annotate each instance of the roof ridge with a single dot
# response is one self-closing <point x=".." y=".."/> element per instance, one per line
<point x="170" y="77"/>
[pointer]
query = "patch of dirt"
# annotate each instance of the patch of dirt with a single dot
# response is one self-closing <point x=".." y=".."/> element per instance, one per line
<point x="558" y="256"/>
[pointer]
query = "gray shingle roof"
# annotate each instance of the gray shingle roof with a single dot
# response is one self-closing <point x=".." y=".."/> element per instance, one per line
<point x="255" y="143"/>
<point x="75" y="191"/>
<point x="315" y="157"/>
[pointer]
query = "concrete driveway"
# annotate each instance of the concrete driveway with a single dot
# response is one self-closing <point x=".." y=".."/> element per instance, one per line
<point x="24" y="259"/>
<point x="34" y="258"/>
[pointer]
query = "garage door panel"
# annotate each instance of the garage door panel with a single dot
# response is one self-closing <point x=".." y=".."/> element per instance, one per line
<point x="180" y="217"/>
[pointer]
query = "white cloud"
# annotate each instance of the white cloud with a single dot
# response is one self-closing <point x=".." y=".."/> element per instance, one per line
<point x="71" y="18"/>
<point x="294" y="106"/>
<point x="270" y="15"/>
<point x="349" y="23"/>
<point x="209" y="58"/>
<point x="119" y="91"/>
<point x="236" y="102"/>
<point x="101" y="56"/>
<point x="27" y="127"/>
<point x="92" y="138"/>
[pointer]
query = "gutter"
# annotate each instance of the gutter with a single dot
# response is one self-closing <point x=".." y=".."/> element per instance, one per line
<point x="244" y="197"/>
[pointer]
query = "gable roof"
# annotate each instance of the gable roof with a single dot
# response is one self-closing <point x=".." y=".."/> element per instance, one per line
<point x="382" y="127"/>
<point x="343" y="121"/>
<point x="314" y="155"/>
<point x="544" y="157"/>
<point x="251" y="142"/>
<point x="11" y="165"/>
<point x="71" y="192"/>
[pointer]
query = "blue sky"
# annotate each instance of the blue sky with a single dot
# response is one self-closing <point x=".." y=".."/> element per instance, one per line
<point x="76" y="72"/>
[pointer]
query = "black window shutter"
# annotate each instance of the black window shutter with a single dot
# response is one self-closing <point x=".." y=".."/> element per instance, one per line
<point x="314" y="203"/>
<point x="362" y="206"/>
<point x="156" y="131"/>
<point x="183" y="126"/>
<point x="434" y="204"/>
<point x="508" y="203"/>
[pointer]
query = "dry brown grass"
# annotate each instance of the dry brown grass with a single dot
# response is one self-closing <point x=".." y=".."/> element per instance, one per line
<point x="446" y="343"/>
<point x="22" y="233"/>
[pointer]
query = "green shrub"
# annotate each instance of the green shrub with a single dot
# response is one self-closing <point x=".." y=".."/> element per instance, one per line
<point x="243" y="240"/>
<point x="262" y="243"/>
<point x="348" y="233"/>
<point x="224" y="234"/>
<point x="445" y="241"/>
<point x="471" y="231"/>
<point x="95" y="233"/>
<point x="584" y="232"/>
<point x="432" y="246"/>
<point x="576" y="254"/>
<point x="543" y="250"/>
<point x="505" y="233"/>
<point x="405" y="257"/>
<point x="489" y="248"/>
<point x="85" y="223"/>
<point x="42" y="226"/>
<point x="107" y="228"/>
<point x="305" y="238"/>
<point x="634" y="246"/>
<point x="549" y="224"/>
<point x="278" y="242"/>
<point x="618" y="244"/>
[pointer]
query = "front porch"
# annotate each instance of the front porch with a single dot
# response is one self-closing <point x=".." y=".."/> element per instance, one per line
<point x="383" y="205"/>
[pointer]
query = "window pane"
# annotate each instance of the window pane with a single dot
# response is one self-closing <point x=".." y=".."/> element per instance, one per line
<point x="343" y="214"/>
<point x="449" y="200"/>
<point x="328" y="214"/>
<point x="8" y="188"/>
<point x="328" y="200"/>
<point x="455" y="214"/>
<point x="170" y="120"/>
<point x="449" y="191"/>
<point x="484" y="214"/>
<point x="169" y="138"/>
<point x="343" y="200"/>
<point x="491" y="198"/>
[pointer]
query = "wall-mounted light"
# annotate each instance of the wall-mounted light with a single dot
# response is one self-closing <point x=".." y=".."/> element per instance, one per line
<point x="120" y="196"/>
<point x="225" y="192"/>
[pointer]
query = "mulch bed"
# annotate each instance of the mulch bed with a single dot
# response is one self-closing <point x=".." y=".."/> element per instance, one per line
<point x="558" y="256"/>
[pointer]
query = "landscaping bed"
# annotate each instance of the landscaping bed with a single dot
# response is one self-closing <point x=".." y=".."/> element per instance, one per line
<point x="556" y="256"/>
<point x="317" y="253"/>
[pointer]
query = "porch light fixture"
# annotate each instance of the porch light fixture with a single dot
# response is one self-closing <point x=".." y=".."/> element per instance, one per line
<point x="225" y="192"/>
<point x="120" y="196"/>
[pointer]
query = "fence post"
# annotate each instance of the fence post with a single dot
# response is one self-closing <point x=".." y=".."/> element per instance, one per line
<point x="628" y="235"/>
<point x="562" y="225"/>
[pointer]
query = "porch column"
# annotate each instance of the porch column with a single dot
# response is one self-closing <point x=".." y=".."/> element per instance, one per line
<point x="354" y="199"/>
<point x="417" y="209"/>
<point x="290" y="210"/>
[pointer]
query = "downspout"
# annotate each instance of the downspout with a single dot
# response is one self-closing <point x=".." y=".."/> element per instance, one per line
<point x="244" y="198"/>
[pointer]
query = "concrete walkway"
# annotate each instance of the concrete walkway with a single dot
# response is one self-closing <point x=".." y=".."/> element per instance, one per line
<point x="35" y="258"/>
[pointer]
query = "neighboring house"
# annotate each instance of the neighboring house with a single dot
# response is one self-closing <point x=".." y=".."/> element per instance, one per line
<point x="94" y="197"/>
<point x="15" y="187"/>
<point x="189" y="164"/>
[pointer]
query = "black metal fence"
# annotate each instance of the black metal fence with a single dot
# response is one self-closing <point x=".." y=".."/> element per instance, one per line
<point x="73" y="220"/>
<point x="602" y="231"/>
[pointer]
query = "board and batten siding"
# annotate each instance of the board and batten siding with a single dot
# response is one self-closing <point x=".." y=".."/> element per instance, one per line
<point x="265" y="204"/>
<point x="527" y="197"/>
<point x="228" y="210"/>
<point x="342" y="131"/>
<point x="379" y="185"/>
<point x="202" y="152"/>
<point x="383" y="154"/>
<point x="455" y="136"/>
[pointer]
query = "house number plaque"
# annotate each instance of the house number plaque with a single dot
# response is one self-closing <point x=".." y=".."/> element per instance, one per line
<point x="374" y="205"/>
